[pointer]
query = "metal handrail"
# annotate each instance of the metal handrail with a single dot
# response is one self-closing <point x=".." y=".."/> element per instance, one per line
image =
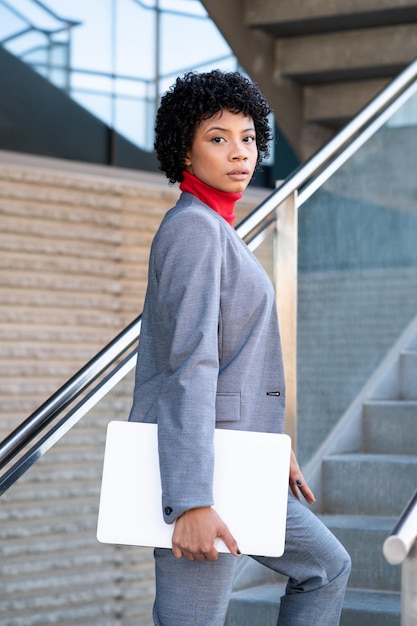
<point x="41" y="5"/>
<point x="67" y="24"/>
<point x="400" y="548"/>
<point x="130" y="77"/>
<point x="398" y="544"/>
<point x="55" y="15"/>
<point x="65" y="423"/>
<point x="66" y="394"/>
<point x="249" y="230"/>
<point x="16" y="35"/>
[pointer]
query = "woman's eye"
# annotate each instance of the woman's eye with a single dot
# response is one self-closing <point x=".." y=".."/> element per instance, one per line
<point x="249" y="138"/>
<point x="217" y="139"/>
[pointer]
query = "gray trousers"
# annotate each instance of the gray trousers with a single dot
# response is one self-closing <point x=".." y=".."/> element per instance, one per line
<point x="190" y="593"/>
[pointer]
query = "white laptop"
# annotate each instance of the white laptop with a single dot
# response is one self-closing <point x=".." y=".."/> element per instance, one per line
<point x="250" y="488"/>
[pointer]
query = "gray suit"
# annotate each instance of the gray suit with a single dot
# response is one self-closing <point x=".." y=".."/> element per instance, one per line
<point x="209" y="352"/>
<point x="210" y="356"/>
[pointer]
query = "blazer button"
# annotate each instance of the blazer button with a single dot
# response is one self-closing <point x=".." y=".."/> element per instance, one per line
<point x="168" y="510"/>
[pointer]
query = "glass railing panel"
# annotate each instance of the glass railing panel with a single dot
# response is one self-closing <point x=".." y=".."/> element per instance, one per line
<point x="130" y="108"/>
<point x="265" y="250"/>
<point x="50" y="62"/>
<point x="52" y="552"/>
<point x="58" y="73"/>
<point x="126" y="104"/>
<point x="357" y="274"/>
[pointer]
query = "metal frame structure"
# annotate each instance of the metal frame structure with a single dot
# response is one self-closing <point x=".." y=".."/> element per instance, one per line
<point x="152" y="86"/>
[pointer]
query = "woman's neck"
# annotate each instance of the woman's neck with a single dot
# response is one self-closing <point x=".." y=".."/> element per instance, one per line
<point x="223" y="202"/>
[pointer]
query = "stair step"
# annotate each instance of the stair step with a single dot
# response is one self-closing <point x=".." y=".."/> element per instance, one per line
<point x="338" y="103"/>
<point x="368" y="484"/>
<point x="390" y="427"/>
<point x="408" y="375"/>
<point x="363" y="537"/>
<point x="260" y="605"/>
<point x="364" y="607"/>
<point x="255" y="605"/>
<point x="349" y="55"/>
<point x="287" y="17"/>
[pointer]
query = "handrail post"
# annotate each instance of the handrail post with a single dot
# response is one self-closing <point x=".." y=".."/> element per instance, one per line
<point x="285" y="279"/>
<point x="409" y="588"/>
<point x="68" y="51"/>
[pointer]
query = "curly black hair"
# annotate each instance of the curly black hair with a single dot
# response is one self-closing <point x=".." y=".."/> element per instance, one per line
<point x="196" y="97"/>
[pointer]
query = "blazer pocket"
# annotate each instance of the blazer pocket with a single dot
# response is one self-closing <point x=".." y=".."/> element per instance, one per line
<point x="227" y="407"/>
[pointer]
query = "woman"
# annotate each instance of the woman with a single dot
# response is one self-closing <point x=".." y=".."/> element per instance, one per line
<point x="210" y="356"/>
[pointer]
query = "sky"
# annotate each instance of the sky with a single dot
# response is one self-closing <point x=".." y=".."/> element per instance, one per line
<point x="185" y="42"/>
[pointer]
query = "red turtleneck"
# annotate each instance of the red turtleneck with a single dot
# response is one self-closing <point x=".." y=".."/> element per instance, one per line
<point x="223" y="202"/>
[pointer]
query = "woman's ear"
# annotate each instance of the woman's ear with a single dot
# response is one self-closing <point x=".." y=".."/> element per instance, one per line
<point x="187" y="163"/>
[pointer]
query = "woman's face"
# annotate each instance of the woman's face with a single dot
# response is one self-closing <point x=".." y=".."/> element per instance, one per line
<point x="224" y="151"/>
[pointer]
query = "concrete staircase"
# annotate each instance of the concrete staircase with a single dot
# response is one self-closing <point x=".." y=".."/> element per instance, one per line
<point x="362" y="492"/>
<point x="318" y="62"/>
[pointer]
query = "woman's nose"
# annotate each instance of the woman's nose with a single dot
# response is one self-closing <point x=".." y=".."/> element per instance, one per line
<point x="239" y="154"/>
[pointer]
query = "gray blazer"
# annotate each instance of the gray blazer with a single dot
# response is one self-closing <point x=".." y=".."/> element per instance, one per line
<point x="209" y="351"/>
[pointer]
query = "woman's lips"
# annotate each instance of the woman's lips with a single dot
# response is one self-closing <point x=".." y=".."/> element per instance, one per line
<point x="239" y="173"/>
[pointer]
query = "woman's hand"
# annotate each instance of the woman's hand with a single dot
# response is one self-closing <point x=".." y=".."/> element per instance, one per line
<point x="297" y="482"/>
<point x="195" y="532"/>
